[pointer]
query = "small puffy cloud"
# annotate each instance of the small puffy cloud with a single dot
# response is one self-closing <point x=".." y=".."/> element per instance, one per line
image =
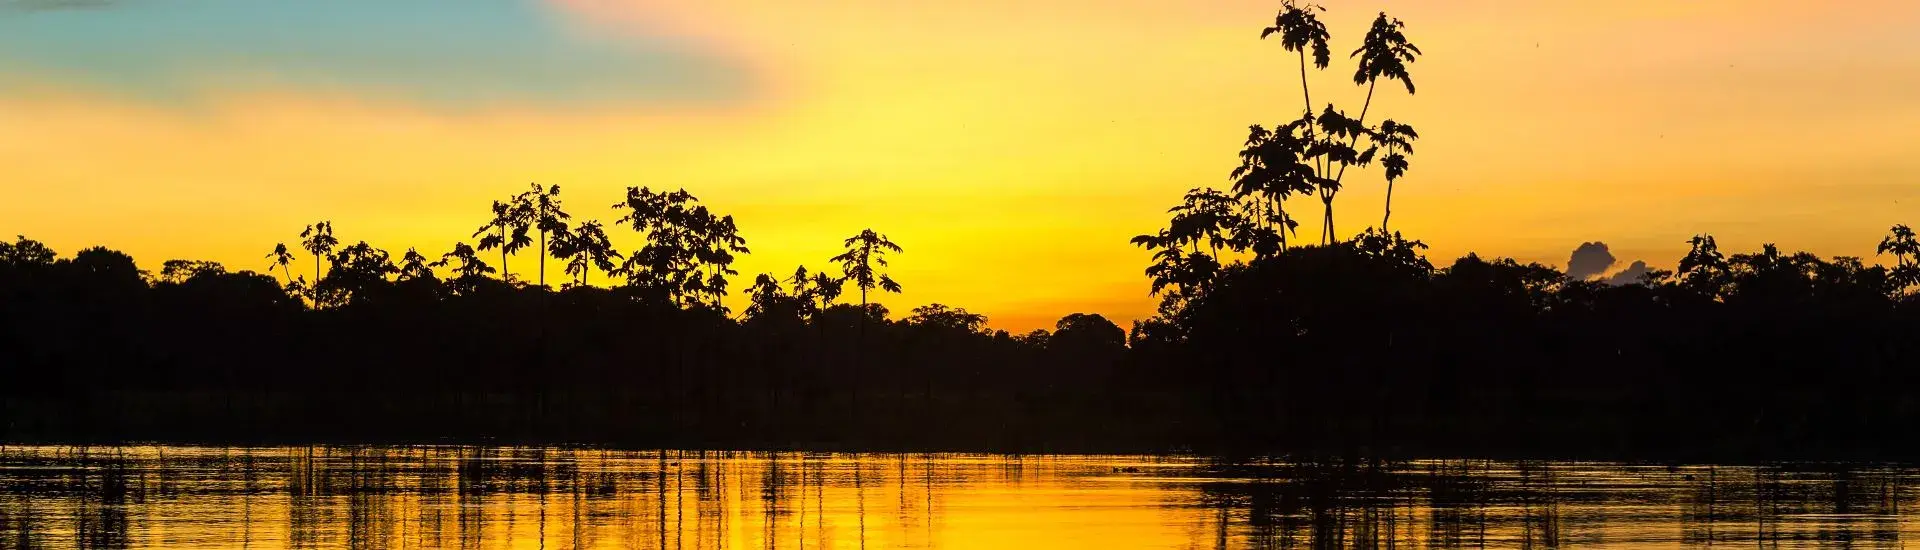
<point x="1629" y="276"/>
<point x="1589" y="260"/>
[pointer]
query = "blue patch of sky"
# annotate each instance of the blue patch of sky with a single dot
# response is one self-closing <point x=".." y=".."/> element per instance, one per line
<point x="438" y="52"/>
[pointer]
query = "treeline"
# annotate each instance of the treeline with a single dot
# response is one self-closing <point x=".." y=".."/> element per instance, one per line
<point x="1365" y="344"/>
<point x="1357" y="345"/>
<point x="95" y="348"/>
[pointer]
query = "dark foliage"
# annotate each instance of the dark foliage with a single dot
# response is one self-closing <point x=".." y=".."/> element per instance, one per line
<point x="1362" y="345"/>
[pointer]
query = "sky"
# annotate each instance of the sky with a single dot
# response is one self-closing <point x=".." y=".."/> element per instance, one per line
<point x="1011" y="146"/>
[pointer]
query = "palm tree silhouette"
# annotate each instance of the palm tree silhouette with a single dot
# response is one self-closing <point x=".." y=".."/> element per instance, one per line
<point x="542" y="207"/>
<point x="1397" y="140"/>
<point x="585" y="248"/>
<point x="864" y="251"/>
<point x="507" y="231"/>
<point x="318" y="239"/>
<point x="283" y="258"/>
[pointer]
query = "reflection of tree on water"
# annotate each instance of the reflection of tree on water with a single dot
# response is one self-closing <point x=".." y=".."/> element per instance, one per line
<point x="100" y="520"/>
<point x="1338" y="504"/>
<point x="304" y="509"/>
<point x="381" y="498"/>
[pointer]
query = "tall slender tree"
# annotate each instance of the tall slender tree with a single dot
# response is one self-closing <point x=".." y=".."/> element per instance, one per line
<point x="1384" y="53"/>
<point x="1331" y="138"/>
<point x="1299" y="28"/>
<point x="283" y="258"/>
<point x="507" y="231"/>
<point x="318" y="239"/>
<point x="864" y="251"/>
<point x="1396" y="140"/>
<point x="542" y="207"/>
<point x="1905" y="248"/>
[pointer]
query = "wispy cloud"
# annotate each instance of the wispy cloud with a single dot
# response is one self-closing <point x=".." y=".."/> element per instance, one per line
<point x="45" y="5"/>
<point x="431" y="51"/>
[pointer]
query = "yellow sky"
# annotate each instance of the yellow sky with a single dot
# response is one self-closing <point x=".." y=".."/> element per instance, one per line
<point x="1013" y="146"/>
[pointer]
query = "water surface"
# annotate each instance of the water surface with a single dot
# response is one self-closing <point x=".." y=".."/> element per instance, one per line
<point x="465" y="497"/>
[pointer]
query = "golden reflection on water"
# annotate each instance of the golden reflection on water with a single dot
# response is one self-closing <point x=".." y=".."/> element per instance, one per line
<point x="486" y="498"/>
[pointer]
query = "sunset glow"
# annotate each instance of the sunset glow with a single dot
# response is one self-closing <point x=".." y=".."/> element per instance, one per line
<point x="1011" y="147"/>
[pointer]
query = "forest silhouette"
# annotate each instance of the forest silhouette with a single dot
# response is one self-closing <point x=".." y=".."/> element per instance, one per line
<point x="1260" y="344"/>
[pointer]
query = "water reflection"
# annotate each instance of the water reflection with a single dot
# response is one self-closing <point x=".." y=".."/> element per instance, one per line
<point x="464" y="497"/>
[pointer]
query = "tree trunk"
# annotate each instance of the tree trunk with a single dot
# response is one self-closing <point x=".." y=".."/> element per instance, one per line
<point x="1326" y="220"/>
<point x="1304" y="94"/>
<point x="1364" y="107"/>
<point x="1389" y="214"/>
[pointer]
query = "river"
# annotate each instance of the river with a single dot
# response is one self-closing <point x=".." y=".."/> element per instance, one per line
<point x="475" y="497"/>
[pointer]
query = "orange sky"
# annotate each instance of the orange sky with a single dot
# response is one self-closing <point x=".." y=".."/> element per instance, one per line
<point x="1011" y="146"/>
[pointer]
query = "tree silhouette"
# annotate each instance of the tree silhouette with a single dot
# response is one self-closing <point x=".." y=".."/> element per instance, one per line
<point x="1397" y="140"/>
<point x="179" y="271"/>
<point x="1300" y="29"/>
<point x="1384" y="53"/>
<point x="864" y="251"/>
<point x="689" y="251"/>
<point x="414" y="266"/>
<point x="768" y="300"/>
<point x="719" y="240"/>
<point x="1273" y="166"/>
<point x="470" y="271"/>
<point x="357" y="272"/>
<point x="282" y="258"/>
<point x="585" y="248"/>
<point x="809" y="293"/>
<point x="507" y="231"/>
<point x="318" y="239"/>
<point x="1704" y="269"/>
<point x="1316" y="144"/>
<point x="1332" y="127"/>
<point x="542" y="207"/>
<point x="1204" y="218"/>
<point x="946" y="317"/>
<point x="1900" y="242"/>
<point x="826" y="288"/>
